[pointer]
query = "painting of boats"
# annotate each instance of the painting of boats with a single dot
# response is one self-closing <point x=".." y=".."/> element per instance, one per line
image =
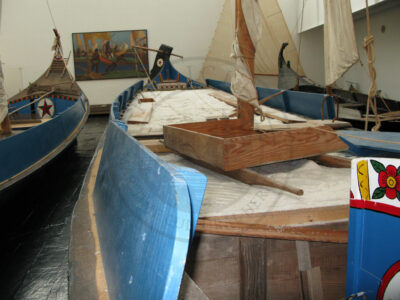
<point x="110" y="55"/>
<point x="41" y="121"/>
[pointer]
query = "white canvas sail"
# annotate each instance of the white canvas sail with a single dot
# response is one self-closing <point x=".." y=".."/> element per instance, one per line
<point x="218" y="63"/>
<point x="243" y="86"/>
<point x="339" y="39"/>
<point x="3" y="97"/>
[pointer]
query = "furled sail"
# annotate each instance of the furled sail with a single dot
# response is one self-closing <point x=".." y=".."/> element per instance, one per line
<point x="3" y="97"/>
<point x="339" y="39"/>
<point x="218" y="63"/>
<point x="243" y="86"/>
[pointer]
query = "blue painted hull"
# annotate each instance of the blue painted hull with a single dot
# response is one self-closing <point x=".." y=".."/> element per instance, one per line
<point x="146" y="213"/>
<point x="368" y="143"/>
<point x="314" y="106"/>
<point x="23" y="153"/>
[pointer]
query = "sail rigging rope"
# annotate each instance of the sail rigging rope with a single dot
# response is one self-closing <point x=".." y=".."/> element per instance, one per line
<point x="371" y="56"/>
<point x="300" y="38"/>
<point x="141" y="63"/>
<point x="51" y="14"/>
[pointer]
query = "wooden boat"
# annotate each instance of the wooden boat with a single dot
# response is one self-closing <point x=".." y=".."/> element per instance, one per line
<point x="45" y="118"/>
<point x="373" y="269"/>
<point x="250" y="217"/>
<point x="116" y="212"/>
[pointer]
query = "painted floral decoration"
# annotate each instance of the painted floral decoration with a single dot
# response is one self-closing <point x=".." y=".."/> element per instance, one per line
<point x="388" y="179"/>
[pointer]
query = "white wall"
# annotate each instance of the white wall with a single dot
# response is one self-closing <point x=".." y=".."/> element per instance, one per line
<point x="314" y="11"/>
<point x="26" y="35"/>
<point x="387" y="44"/>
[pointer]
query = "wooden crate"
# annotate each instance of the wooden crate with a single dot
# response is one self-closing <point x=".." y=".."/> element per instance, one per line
<point x="226" y="145"/>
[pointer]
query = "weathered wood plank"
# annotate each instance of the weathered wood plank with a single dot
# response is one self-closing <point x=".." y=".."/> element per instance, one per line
<point x="253" y="268"/>
<point x="274" y="232"/>
<point x="290" y="217"/>
<point x="283" y="277"/>
<point x="213" y="263"/>
<point x="157" y="146"/>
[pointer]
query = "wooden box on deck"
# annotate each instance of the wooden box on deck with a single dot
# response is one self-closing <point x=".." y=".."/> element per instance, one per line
<point x="226" y="145"/>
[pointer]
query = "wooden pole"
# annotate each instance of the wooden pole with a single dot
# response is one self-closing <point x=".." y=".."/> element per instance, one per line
<point x="6" y="125"/>
<point x="155" y="50"/>
<point x="245" y="110"/>
<point x="370" y="53"/>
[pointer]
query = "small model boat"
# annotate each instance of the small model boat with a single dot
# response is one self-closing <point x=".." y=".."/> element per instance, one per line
<point x="41" y="121"/>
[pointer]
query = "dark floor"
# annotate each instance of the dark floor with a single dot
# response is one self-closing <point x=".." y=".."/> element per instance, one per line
<point x="35" y="222"/>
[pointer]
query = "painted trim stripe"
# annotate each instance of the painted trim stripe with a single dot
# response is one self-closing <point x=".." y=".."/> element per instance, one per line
<point x="35" y="97"/>
<point x="390" y="273"/>
<point x="376" y="206"/>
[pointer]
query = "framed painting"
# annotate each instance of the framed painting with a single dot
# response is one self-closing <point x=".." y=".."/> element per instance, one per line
<point x="110" y="54"/>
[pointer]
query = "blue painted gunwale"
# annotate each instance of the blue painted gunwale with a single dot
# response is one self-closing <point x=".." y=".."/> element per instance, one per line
<point x="301" y="103"/>
<point x="362" y="143"/>
<point x="146" y="213"/>
<point x="23" y="153"/>
<point x="168" y="72"/>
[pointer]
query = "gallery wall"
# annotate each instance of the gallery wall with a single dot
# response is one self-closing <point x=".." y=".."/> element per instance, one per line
<point x="385" y="22"/>
<point x="26" y="35"/>
<point x="188" y="26"/>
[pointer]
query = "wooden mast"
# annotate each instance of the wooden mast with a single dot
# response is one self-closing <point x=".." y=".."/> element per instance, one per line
<point x="6" y="125"/>
<point x="246" y="110"/>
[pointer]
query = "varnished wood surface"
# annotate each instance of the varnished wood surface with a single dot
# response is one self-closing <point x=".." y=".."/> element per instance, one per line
<point x="275" y="232"/>
<point x="241" y="150"/>
<point x="297" y="217"/>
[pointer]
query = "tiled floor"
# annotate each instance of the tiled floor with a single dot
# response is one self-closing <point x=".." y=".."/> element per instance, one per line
<point x="35" y="223"/>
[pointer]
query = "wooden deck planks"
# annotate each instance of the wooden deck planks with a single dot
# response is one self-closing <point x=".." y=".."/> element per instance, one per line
<point x="290" y="217"/>
<point x="216" y="264"/>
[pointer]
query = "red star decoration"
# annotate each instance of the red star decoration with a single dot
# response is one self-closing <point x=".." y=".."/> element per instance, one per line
<point x="46" y="108"/>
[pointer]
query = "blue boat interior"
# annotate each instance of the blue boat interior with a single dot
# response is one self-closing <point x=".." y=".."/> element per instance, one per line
<point x="147" y="211"/>
<point x="369" y="143"/>
<point x="41" y="139"/>
<point x="312" y="105"/>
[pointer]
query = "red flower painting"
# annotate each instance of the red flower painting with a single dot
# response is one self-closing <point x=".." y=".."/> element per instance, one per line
<point x="388" y="179"/>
